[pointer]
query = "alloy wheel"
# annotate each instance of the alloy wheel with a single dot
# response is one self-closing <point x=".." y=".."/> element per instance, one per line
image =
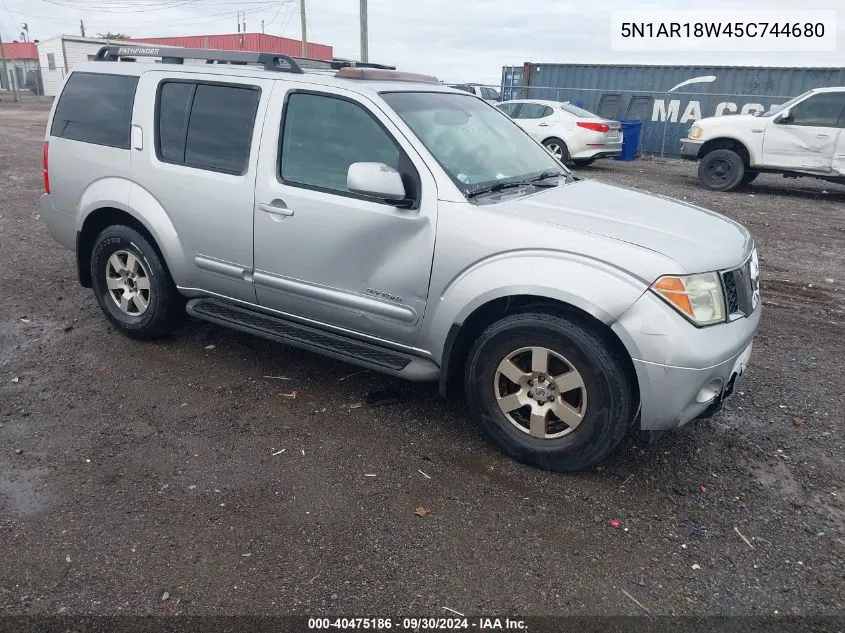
<point x="540" y="392"/>
<point x="128" y="283"/>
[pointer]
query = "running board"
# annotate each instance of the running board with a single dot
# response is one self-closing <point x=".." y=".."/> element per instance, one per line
<point x="313" y="339"/>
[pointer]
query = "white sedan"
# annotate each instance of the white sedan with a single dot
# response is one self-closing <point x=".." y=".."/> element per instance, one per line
<point x="572" y="134"/>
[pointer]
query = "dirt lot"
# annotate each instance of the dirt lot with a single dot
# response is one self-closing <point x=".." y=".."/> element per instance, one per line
<point x="140" y="478"/>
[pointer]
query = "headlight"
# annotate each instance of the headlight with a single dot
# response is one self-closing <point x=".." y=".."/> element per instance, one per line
<point x="700" y="298"/>
<point x="695" y="132"/>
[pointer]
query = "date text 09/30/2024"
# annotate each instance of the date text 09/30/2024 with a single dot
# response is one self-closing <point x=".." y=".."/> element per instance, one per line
<point x="418" y="624"/>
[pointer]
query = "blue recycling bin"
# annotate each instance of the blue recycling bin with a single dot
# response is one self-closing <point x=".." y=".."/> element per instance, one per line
<point x="630" y="140"/>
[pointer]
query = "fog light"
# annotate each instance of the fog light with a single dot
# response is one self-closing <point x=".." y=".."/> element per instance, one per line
<point x="709" y="391"/>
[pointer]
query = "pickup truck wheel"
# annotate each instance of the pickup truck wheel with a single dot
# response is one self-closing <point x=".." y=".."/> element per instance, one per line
<point x="548" y="391"/>
<point x="749" y="177"/>
<point x="721" y="170"/>
<point x="558" y="149"/>
<point x="132" y="285"/>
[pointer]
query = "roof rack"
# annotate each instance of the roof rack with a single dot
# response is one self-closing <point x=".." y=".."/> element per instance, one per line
<point x="174" y="55"/>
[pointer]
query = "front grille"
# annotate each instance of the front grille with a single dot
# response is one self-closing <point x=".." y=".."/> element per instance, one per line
<point x="730" y="292"/>
<point x="739" y="291"/>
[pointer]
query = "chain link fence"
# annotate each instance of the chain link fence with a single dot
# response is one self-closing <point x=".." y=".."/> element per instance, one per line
<point x="665" y="118"/>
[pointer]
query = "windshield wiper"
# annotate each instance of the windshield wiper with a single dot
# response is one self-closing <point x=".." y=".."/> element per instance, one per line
<point x="505" y="184"/>
<point x="535" y="181"/>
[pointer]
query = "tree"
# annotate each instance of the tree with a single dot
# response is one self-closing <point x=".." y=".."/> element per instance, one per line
<point x="113" y="36"/>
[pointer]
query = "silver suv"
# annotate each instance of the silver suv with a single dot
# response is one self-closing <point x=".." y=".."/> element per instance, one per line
<point x="386" y="220"/>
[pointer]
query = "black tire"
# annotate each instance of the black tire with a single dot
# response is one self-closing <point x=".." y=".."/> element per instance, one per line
<point x="550" y="144"/>
<point x="721" y="170"/>
<point x="164" y="303"/>
<point x="610" y="396"/>
<point x="583" y="162"/>
<point x="749" y="177"/>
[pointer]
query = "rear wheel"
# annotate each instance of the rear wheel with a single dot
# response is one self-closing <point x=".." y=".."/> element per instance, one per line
<point x="548" y="391"/>
<point x="132" y="284"/>
<point x="721" y="170"/>
<point x="558" y="149"/>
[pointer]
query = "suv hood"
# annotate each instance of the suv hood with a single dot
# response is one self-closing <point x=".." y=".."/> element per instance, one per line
<point x="697" y="239"/>
<point x="733" y="120"/>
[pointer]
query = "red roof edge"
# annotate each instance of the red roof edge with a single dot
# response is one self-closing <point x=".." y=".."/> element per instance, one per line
<point x="20" y="50"/>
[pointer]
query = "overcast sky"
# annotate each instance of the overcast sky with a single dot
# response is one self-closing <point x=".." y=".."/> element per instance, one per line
<point x="457" y="40"/>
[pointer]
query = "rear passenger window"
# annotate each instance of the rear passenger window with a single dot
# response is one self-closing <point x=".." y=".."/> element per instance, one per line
<point x="95" y="108"/>
<point x="533" y="111"/>
<point x="207" y="126"/>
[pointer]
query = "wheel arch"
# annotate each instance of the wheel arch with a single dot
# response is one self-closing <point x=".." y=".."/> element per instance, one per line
<point x="146" y="216"/>
<point x="728" y="142"/>
<point x="462" y="335"/>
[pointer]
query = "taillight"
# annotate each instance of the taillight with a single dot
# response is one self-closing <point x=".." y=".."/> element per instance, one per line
<point x="45" y="161"/>
<point x="595" y="127"/>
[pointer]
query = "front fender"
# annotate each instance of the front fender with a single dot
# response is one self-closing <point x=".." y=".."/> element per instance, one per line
<point x="754" y="149"/>
<point x="595" y="287"/>
<point x="137" y="202"/>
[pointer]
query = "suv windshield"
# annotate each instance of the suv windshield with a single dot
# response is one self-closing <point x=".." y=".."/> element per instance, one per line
<point x="475" y="143"/>
<point x="788" y="104"/>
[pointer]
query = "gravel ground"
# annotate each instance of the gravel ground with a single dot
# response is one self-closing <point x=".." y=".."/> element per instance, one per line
<point x="146" y="478"/>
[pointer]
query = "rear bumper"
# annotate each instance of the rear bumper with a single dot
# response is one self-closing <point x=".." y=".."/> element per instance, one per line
<point x="608" y="150"/>
<point x="683" y="372"/>
<point x="61" y="226"/>
<point x="690" y="148"/>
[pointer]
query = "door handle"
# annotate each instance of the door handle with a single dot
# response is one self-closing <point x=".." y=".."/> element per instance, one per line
<point x="822" y="135"/>
<point x="543" y="124"/>
<point x="277" y="207"/>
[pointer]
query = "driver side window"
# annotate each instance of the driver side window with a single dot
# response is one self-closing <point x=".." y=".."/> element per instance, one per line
<point x="323" y="135"/>
<point x="825" y="109"/>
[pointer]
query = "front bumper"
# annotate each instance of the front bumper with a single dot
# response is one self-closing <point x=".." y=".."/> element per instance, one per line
<point x="683" y="372"/>
<point x="690" y="148"/>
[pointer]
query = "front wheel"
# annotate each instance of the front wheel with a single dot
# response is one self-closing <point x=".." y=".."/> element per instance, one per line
<point x="749" y="177"/>
<point x="132" y="284"/>
<point x="548" y="391"/>
<point x="721" y="170"/>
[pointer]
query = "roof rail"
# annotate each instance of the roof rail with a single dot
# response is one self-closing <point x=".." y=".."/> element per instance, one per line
<point x="176" y="55"/>
<point x="380" y="74"/>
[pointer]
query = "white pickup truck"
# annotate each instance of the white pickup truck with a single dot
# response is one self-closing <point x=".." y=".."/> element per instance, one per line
<point x="803" y="137"/>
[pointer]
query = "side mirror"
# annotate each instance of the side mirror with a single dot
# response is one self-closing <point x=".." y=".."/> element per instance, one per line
<point x="784" y="117"/>
<point x="376" y="180"/>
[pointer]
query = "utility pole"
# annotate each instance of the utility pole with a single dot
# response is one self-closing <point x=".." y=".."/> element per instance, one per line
<point x="238" y="20"/>
<point x="82" y="28"/>
<point x="304" y="30"/>
<point x="364" y="45"/>
<point x="6" y="76"/>
<point x="262" y="27"/>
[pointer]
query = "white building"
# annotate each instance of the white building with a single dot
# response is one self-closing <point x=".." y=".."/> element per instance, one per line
<point x="58" y="56"/>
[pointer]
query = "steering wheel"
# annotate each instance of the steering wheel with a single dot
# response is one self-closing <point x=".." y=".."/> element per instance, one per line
<point x="477" y="155"/>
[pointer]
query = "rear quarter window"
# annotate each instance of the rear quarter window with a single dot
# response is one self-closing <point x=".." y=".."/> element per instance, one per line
<point x="96" y="108"/>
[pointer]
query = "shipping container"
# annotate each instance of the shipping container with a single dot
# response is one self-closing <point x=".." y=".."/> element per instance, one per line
<point x="642" y="92"/>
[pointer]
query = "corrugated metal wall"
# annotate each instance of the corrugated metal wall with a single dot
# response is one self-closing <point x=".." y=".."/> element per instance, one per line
<point x="639" y="92"/>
